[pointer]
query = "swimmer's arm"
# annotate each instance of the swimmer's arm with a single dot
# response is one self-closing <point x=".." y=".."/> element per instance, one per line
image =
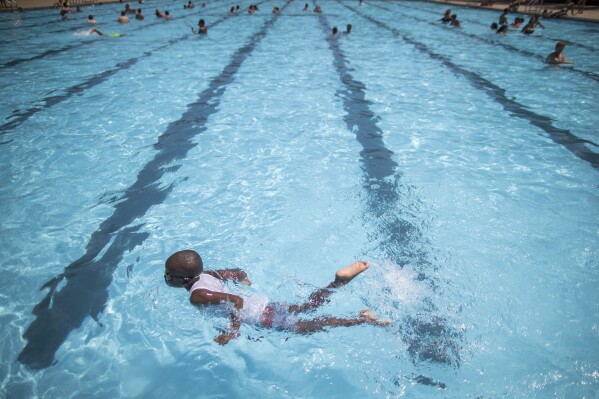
<point x="567" y="61"/>
<point x="236" y="275"/>
<point x="193" y="30"/>
<point x="207" y="297"/>
<point x="233" y="333"/>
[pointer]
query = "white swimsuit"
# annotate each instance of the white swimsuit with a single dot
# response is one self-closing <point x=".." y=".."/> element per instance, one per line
<point x="253" y="306"/>
<point x="208" y="282"/>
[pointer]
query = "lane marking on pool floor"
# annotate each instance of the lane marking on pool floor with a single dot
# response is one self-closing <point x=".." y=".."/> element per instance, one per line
<point x="84" y="283"/>
<point x="382" y="183"/>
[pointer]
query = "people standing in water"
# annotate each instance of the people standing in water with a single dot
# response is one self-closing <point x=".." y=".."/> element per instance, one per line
<point x="446" y="16"/>
<point x="139" y="16"/>
<point x="123" y="19"/>
<point x="503" y="18"/>
<point x="517" y="22"/>
<point x="348" y="29"/>
<point x="558" y="57"/>
<point x="455" y="21"/>
<point x="202" y="29"/>
<point x="529" y="28"/>
<point x="90" y="19"/>
<point x="501" y="30"/>
<point x="185" y="269"/>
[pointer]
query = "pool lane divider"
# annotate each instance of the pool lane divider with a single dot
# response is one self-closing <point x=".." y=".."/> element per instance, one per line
<point x="82" y="289"/>
<point x="438" y="25"/>
<point x="576" y="145"/>
<point x="429" y="338"/>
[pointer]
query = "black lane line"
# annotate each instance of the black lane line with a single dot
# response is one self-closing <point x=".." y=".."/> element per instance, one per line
<point x="18" y="118"/>
<point x="85" y="281"/>
<point x="563" y="137"/>
<point x="429" y="338"/>
<point x="541" y="58"/>
<point x="46" y="53"/>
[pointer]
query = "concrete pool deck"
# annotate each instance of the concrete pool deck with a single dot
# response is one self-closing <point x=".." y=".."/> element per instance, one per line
<point x="590" y="14"/>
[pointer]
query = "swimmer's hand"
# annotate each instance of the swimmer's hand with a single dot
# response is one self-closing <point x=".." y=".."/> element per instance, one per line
<point x="224" y="338"/>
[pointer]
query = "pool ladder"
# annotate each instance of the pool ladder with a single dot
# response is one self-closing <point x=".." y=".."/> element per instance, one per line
<point x="8" y="5"/>
<point x="535" y="6"/>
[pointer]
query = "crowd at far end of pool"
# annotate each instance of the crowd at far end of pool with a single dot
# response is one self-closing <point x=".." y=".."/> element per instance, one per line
<point x="501" y="27"/>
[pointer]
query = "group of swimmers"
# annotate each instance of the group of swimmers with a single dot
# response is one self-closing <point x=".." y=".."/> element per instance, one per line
<point x="556" y="57"/>
<point x="451" y="19"/>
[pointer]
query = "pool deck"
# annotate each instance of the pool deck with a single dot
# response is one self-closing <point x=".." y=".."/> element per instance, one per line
<point x="590" y="14"/>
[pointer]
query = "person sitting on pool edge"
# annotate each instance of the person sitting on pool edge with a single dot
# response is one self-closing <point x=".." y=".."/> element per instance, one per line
<point x="185" y="269"/>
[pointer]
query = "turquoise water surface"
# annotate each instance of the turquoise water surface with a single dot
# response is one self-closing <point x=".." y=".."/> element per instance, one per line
<point x="456" y="161"/>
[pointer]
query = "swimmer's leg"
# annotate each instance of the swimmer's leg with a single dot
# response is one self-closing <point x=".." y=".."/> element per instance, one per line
<point x="319" y="324"/>
<point x="345" y="275"/>
<point x="342" y="277"/>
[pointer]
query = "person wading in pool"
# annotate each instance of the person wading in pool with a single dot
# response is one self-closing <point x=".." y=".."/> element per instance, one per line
<point x="558" y="57"/>
<point x="185" y="269"/>
<point x="202" y="29"/>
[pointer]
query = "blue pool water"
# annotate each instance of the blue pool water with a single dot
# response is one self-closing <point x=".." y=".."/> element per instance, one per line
<point x="456" y="161"/>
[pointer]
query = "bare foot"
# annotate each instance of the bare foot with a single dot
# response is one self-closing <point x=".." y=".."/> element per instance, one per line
<point x="370" y="318"/>
<point x="349" y="272"/>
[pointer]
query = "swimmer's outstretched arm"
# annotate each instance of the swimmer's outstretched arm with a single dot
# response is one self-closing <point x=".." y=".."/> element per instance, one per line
<point x="236" y="275"/>
<point x="203" y="297"/>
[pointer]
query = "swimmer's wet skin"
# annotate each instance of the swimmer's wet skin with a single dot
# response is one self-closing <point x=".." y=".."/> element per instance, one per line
<point x="348" y="273"/>
<point x="185" y="269"/>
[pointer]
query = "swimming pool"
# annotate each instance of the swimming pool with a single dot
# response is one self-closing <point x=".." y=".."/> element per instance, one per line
<point x="457" y="162"/>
